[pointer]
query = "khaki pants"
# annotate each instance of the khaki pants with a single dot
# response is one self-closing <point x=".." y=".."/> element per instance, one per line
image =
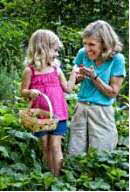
<point x="92" y="126"/>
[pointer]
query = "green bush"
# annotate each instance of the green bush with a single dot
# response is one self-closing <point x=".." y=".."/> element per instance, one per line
<point x="11" y="48"/>
<point x="9" y="88"/>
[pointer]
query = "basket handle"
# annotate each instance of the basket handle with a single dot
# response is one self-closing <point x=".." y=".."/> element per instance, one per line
<point x="49" y="104"/>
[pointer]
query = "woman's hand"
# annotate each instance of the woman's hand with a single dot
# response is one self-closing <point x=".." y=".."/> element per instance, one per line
<point x="87" y="72"/>
<point x="82" y="71"/>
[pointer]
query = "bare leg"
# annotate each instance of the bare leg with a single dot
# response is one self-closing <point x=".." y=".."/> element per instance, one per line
<point x="47" y="155"/>
<point x="55" y="143"/>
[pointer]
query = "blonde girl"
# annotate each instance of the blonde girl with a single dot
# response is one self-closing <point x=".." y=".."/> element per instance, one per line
<point x="42" y="74"/>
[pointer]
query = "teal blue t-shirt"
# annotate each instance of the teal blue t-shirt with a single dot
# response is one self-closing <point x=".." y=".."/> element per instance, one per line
<point x="110" y="68"/>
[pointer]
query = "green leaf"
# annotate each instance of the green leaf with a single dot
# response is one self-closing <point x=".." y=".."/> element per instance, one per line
<point x="48" y="179"/>
<point x="69" y="177"/>
<point x="5" y="181"/>
<point x="99" y="184"/>
<point x="4" y="151"/>
<point x="3" y="110"/>
<point x="116" y="173"/>
<point x="9" y="119"/>
<point x="122" y="184"/>
<point x="22" y="135"/>
<point x="6" y="171"/>
<point x="19" y="167"/>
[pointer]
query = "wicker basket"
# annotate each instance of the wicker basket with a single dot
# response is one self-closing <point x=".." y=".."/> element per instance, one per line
<point x="29" y="118"/>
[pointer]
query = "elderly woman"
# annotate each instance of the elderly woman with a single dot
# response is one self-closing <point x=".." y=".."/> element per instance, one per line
<point x="102" y="68"/>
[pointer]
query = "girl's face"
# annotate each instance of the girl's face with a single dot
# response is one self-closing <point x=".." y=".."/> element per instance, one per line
<point x="55" y="52"/>
<point x="93" y="47"/>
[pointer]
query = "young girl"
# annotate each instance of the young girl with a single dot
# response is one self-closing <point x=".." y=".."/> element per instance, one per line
<point x="43" y="75"/>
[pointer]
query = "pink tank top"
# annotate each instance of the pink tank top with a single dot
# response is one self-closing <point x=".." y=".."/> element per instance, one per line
<point x="49" y="84"/>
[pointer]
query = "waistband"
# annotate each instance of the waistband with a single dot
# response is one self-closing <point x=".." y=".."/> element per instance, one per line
<point x="92" y="103"/>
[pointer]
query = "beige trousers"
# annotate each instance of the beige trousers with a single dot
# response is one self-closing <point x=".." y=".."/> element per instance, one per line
<point x="92" y="126"/>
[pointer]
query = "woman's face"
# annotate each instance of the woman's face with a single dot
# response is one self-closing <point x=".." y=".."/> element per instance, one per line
<point x="93" y="47"/>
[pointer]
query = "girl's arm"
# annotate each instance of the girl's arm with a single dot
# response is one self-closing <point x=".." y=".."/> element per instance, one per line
<point x="67" y="86"/>
<point x="26" y="81"/>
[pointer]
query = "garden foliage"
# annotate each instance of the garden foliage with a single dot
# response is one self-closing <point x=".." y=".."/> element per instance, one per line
<point x="22" y="169"/>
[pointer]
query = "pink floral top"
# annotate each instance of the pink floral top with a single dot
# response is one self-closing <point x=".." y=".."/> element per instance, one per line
<point x="49" y="84"/>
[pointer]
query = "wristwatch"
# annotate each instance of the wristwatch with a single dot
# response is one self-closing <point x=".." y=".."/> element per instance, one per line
<point x="95" y="77"/>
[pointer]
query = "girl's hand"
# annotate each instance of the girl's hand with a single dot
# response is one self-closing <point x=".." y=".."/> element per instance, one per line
<point x="80" y="74"/>
<point x="80" y="77"/>
<point x="34" y="93"/>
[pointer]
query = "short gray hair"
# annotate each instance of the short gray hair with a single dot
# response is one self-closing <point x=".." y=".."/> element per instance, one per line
<point x="103" y="32"/>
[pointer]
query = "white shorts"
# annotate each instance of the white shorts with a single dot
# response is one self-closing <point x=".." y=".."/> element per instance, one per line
<point x="92" y="126"/>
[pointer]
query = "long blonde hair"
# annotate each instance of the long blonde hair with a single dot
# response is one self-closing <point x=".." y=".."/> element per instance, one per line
<point x="103" y="32"/>
<point x="40" y="48"/>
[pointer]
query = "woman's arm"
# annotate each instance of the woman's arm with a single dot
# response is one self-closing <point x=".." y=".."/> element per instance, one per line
<point x="111" y="90"/>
